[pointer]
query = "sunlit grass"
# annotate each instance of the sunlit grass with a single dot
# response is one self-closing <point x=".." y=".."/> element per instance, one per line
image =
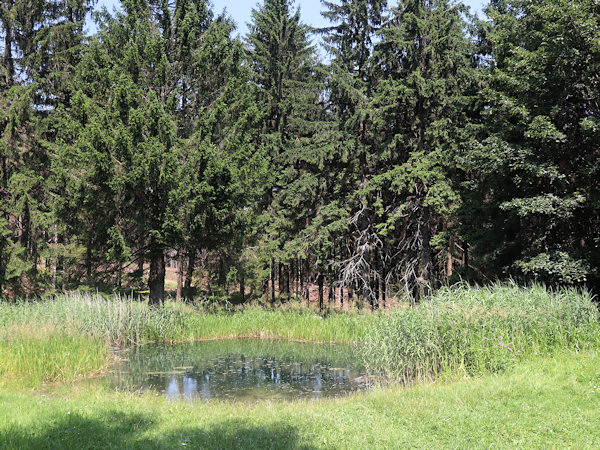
<point x="471" y="331"/>
<point x="31" y="355"/>
<point x="547" y="402"/>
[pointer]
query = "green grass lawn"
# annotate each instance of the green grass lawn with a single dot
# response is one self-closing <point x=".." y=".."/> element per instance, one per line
<point x="549" y="402"/>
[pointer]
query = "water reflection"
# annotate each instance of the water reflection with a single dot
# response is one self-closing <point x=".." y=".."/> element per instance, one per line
<point x="241" y="368"/>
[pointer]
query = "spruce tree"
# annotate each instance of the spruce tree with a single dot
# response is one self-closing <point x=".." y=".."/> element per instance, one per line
<point x="533" y="191"/>
<point x="350" y="41"/>
<point x="426" y="66"/>
<point x="41" y="46"/>
<point x="289" y="82"/>
<point x="179" y="164"/>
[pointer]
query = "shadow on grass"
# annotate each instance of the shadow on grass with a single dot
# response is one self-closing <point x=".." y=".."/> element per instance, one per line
<point x="120" y="430"/>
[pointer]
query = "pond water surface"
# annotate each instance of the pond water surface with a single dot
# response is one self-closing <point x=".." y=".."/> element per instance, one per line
<point x="246" y="369"/>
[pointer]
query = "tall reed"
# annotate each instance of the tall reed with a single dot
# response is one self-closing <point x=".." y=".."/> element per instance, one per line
<point x="485" y="329"/>
<point x="123" y="321"/>
<point x="35" y="355"/>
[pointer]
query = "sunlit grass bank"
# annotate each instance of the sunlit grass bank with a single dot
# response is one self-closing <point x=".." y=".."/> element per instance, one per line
<point x="32" y="355"/>
<point x="550" y="402"/>
<point x="124" y="321"/>
<point x="460" y="331"/>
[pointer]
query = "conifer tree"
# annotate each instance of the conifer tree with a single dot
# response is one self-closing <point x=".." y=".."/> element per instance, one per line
<point x="289" y="82"/>
<point x="350" y="42"/>
<point x="533" y="193"/>
<point x="41" y="46"/>
<point x="178" y="165"/>
<point x="425" y="61"/>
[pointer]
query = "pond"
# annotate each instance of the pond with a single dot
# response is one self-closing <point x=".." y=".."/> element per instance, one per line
<point x="245" y="369"/>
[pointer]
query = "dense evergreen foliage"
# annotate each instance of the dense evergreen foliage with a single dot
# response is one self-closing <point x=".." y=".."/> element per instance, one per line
<point x="428" y="146"/>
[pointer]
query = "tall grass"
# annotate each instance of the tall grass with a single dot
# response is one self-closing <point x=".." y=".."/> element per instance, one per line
<point x="123" y="321"/>
<point x="468" y="330"/>
<point x="118" y="320"/>
<point x="462" y="330"/>
<point x="36" y="355"/>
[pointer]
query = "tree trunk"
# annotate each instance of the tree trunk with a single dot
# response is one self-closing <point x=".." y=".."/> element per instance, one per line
<point x="140" y="268"/>
<point x="372" y="281"/>
<point x="242" y="289"/>
<point x="350" y="295"/>
<point x="377" y="285"/>
<point x="306" y="282"/>
<point x="156" y="279"/>
<point x="264" y="288"/>
<point x="297" y="278"/>
<point x="292" y="278"/>
<point x="426" y="253"/>
<point x="330" y="292"/>
<point x="179" y="274"/>
<point x="320" y="283"/>
<point x="279" y="279"/>
<point x="288" y="279"/>
<point x="301" y="276"/>
<point x="222" y="274"/>
<point x="190" y="269"/>
<point x="272" y="280"/>
<point x="88" y="261"/>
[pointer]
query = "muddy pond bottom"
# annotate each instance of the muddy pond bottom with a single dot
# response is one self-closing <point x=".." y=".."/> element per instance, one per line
<point x="245" y="369"/>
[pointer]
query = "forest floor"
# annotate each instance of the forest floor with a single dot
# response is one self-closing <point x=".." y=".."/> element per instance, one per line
<point x="549" y="402"/>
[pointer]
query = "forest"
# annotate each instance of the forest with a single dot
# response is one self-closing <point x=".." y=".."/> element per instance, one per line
<point x="404" y="147"/>
<point x="379" y="233"/>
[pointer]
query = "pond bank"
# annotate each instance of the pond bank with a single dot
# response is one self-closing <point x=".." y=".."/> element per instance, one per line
<point x="461" y="331"/>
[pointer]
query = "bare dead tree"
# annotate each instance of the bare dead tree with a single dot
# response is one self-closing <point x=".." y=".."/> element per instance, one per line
<point x="365" y="246"/>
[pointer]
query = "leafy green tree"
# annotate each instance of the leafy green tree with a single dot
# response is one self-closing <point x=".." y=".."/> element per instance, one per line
<point x="533" y="191"/>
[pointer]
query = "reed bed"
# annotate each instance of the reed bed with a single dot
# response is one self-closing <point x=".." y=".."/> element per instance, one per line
<point x="34" y="355"/>
<point x="118" y="320"/>
<point x="124" y="321"/>
<point x="469" y="331"/>
<point x="461" y="330"/>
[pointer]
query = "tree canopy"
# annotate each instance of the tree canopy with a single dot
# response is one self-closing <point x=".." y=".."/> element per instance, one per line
<point x="405" y="146"/>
